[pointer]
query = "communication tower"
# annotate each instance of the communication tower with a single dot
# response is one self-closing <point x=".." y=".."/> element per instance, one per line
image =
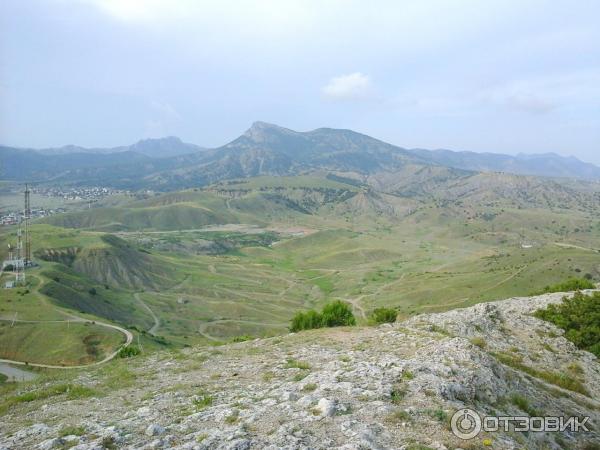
<point x="26" y="219"/>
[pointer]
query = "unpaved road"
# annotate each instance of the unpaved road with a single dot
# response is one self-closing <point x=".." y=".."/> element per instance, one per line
<point x="15" y="374"/>
<point x="156" y="325"/>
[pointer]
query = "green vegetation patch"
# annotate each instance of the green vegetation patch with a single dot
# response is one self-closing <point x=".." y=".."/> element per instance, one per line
<point x="579" y="316"/>
<point x="383" y="315"/>
<point x="72" y="392"/>
<point x="202" y="400"/>
<point x="66" y="343"/>
<point x="129" y="352"/>
<point x="574" y="284"/>
<point x="71" y="430"/>
<point x="334" y="314"/>
<point x="558" y="379"/>
<point x="295" y="364"/>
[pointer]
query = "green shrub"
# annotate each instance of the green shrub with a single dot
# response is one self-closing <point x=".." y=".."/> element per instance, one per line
<point x="334" y="314"/>
<point x="579" y="316"/>
<point x="306" y="321"/>
<point x="129" y="351"/>
<point x="338" y="314"/>
<point x="383" y="315"/>
<point x="572" y="284"/>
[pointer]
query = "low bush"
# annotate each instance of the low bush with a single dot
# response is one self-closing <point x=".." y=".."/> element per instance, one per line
<point x="306" y="321"/>
<point x="383" y="315"/>
<point x="579" y="316"/>
<point x="334" y="314"/>
<point x="572" y="284"/>
<point x="129" y="351"/>
<point x="338" y="314"/>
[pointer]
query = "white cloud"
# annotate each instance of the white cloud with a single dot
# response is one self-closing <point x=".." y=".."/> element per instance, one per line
<point x="354" y="86"/>
<point x="543" y="94"/>
<point x="164" y="120"/>
<point x="530" y="103"/>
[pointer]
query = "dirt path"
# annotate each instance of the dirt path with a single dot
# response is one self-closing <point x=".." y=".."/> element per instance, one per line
<point x="589" y="249"/>
<point x="156" y="325"/>
<point x="204" y="325"/>
<point x="501" y="282"/>
<point x="355" y="302"/>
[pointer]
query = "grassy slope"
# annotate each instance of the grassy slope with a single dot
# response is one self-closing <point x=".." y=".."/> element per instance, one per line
<point x="437" y="257"/>
<point x="57" y="343"/>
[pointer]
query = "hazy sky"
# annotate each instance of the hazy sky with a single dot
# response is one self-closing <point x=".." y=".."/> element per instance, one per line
<point x="501" y="76"/>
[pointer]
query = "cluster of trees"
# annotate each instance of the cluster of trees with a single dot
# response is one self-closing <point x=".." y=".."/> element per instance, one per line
<point x="334" y="314"/>
<point x="579" y="316"/>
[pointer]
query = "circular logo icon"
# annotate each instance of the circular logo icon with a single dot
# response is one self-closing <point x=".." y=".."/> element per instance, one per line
<point x="466" y="424"/>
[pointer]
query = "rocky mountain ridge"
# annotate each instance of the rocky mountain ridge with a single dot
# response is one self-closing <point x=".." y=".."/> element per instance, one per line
<point x="392" y="386"/>
<point x="264" y="149"/>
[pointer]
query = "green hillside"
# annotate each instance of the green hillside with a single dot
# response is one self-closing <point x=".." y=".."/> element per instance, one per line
<point x="241" y="257"/>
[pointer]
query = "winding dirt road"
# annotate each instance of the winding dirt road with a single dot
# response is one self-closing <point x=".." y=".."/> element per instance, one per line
<point x="156" y="325"/>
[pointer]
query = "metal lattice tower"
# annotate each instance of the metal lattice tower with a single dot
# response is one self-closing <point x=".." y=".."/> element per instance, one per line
<point x="19" y="264"/>
<point x="26" y="218"/>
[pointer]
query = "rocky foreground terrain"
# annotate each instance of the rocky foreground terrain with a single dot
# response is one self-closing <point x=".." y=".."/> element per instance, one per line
<point x="392" y="386"/>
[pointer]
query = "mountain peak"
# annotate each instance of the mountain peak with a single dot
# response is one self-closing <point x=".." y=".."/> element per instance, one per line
<point x="259" y="125"/>
<point x="261" y="131"/>
<point x="161" y="140"/>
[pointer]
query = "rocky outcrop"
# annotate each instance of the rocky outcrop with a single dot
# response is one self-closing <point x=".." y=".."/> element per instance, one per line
<point x="393" y="386"/>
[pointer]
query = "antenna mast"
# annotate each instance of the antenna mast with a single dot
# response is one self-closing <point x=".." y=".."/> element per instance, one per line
<point x="19" y="264"/>
<point x="26" y="218"/>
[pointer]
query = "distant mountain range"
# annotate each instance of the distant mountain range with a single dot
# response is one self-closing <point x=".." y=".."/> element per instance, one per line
<point x="153" y="148"/>
<point x="545" y="164"/>
<point x="264" y="149"/>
